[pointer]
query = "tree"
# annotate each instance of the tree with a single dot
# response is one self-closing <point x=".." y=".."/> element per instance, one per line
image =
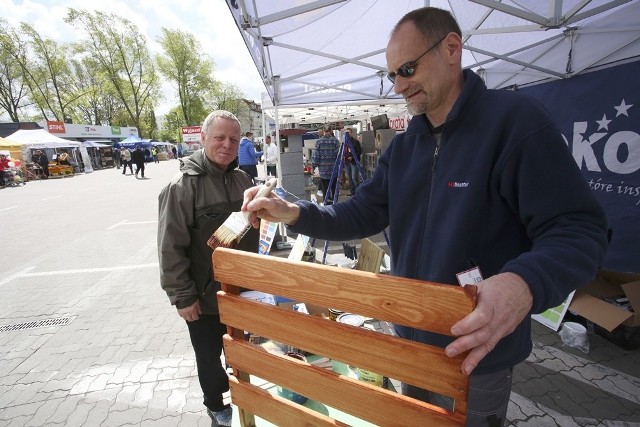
<point x="13" y="91"/>
<point x="173" y="122"/>
<point x="190" y="70"/>
<point x="123" y="58"/>
<point x="229" y="97"/>
<point x="99" y="104"/>
<point x="49" y="76"/>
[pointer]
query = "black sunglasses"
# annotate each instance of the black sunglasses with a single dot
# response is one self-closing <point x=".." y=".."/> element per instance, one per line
<point x="409" y="68"/>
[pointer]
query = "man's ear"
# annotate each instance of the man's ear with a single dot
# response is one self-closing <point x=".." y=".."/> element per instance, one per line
<point x="453" y="46"/>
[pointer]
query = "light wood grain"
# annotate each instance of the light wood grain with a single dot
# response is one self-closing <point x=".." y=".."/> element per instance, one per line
<point x="429" y="306"/>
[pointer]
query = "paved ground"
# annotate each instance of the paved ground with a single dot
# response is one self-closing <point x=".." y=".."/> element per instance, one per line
<point x="105" y="348"/>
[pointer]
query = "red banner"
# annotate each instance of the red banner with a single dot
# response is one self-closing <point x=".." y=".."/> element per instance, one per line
<point x="55" y="127"/>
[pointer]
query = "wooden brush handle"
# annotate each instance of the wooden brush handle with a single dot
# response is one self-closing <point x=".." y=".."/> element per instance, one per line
<point x="263" y="191"/>
<point x="266" y="188"/>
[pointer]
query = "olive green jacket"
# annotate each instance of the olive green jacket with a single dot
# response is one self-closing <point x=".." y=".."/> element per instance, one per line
<point x="191" y="208"/>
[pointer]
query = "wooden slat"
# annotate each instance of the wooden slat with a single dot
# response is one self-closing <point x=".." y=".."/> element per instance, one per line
<point x="275" y="409"/>
<point x="354" y="397"/>
<point x="418" y="364"/>
<point x="423" y="305"/>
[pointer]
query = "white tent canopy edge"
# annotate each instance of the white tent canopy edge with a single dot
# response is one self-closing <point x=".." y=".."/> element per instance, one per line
<point x="331" y="52"/>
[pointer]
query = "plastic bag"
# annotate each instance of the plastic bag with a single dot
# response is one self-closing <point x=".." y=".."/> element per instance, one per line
<point x="575" y="335"/>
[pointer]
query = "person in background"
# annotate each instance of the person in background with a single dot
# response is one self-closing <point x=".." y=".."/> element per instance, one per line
<point x="248" y="156"/>
<point x="179" y="150"/>
<point x="195" y="203"/>
<point x="271" y="156"/>
<point x="40" y="158"/>
<point x="4" y="166"/>
<point x="138" y="158"/>
<point x="350" y="157"/>
<point x="154" y="154"/>
<point x="174" y="151"/>
<point x="324" y="158"/>
<point x="116" y="158"/>
<point x="481" y="182"/>
<point x="125" y="155"/>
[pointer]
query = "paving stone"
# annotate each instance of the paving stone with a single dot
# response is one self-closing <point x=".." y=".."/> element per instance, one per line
<point x="27" y="410"/>
<point x="67" y="406"/>
<point x="151" y="375"/>
<point x="138" y="370"/>
<point x="98" y="413"/>
<point x="131" y="416"/>
<point x="80" y="415"/>
<point x="44" y="413"/>
<point x="144" y="394"/>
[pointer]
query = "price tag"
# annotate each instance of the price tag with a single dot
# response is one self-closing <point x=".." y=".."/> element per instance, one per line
<point x="469" y="277"/>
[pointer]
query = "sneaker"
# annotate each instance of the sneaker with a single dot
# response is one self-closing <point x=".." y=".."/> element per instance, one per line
<point x="221" y="418"/>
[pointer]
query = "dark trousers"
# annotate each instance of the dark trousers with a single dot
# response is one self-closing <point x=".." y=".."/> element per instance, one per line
<point x="206" y="337"/>
<point x="252" y="170"/>
<point x="124" y="166"/>
<point x="140" y="168"/>
<point x="327" y="193"/>
<point x="271" y="170"/>
<point x="488" y="398"/>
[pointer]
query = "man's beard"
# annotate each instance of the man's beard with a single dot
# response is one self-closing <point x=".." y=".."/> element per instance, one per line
<point x="416" y="108"/>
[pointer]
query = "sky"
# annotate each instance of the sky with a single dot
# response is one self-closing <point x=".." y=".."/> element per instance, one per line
<point x="209" y="21"/>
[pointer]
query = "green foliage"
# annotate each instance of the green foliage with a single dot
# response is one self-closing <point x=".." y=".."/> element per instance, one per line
<point x="109" y="77"/>
<point x="13" y="89"/>
<point x="122" y="56"/>
<point x="189" y="70"/>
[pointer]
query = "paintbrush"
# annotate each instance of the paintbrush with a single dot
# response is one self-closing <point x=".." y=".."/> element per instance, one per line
<point x="236" y="226"/>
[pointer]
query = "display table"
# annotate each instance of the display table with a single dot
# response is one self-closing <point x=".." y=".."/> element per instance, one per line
<point x="57" y="171"/>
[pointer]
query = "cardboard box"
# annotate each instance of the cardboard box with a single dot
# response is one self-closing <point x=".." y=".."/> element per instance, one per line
<point x="617" y="324"/>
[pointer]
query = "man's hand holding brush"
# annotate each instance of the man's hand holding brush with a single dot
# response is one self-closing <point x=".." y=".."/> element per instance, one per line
<point x="271" y="208"/>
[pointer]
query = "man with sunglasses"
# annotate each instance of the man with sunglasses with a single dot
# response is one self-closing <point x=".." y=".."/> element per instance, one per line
<point x="482" y="189"/>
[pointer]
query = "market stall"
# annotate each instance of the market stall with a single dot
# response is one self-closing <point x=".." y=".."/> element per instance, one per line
<point x="100" y="153"/>
<point x="51" y="147"/>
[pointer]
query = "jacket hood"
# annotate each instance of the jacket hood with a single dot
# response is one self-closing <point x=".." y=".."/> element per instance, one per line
<point x="198" y="164"/>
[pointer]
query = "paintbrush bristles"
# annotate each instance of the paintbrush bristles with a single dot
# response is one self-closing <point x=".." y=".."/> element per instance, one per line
<point x="237" y="225"/>
<point x="230" y="232"/>
<point x="226" y="238"/>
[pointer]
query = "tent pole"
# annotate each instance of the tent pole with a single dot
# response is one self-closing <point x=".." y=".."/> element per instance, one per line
<point x="276" y="99"/>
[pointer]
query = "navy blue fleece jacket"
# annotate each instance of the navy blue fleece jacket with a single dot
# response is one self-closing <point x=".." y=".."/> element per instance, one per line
<point x="500" y="191"/>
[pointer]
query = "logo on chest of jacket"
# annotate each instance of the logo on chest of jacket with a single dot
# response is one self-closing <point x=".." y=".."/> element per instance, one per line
<point x="456" y="184"/>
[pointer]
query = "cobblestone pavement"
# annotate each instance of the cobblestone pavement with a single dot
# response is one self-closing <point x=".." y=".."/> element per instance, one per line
<point x="87" y="337"/>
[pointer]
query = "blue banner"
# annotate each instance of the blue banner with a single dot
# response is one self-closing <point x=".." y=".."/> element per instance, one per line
<point x="599" y="116"/>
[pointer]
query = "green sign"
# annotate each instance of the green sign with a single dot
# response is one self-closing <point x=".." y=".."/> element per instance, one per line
<point x="115" y="130"/>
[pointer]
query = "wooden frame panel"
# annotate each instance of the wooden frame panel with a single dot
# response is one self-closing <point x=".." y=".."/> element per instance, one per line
<point x="424" y="305"/>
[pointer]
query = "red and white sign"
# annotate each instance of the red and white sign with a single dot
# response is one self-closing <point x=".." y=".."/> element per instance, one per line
<point x="191" y="133"/>
<point x="55" y="127"/>
<point x="399" y="122"/>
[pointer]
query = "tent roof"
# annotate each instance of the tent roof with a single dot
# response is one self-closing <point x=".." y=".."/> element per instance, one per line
<point x="40" y="138"/>
<point x="94" y="144"/>
<point x="332" y="52"/>
<point x="6" y="144"/>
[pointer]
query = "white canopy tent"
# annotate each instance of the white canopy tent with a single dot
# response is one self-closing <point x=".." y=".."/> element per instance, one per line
<point x="314" y="55"/>
<point x="40" y="138"/>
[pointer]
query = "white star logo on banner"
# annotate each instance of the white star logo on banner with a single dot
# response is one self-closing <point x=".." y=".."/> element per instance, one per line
<point x="622" y="109"/>
<point x="604" y="123"/>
